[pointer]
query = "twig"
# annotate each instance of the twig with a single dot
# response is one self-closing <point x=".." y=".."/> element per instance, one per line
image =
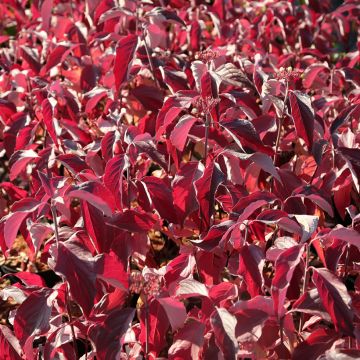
<point x="150" y="60"/>
<point x="146" y="328"/>
<point x="67" y="292"/>
<point x="306" y="278"/>
<point x="57" y="236"/>
<point x="71" y="320"/>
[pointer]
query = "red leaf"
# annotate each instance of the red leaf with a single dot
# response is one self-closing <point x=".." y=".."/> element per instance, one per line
<point x="312" y="72"/>
<point x="161" y="197"/>
<point x="251" y="263"/>
<point x="188" y="341"/>
<point x="175" y="312"/>
<point x="133" y="221"/>
<point x="125" y="51"/>
<point x="111" y="270"/>
<point x="33" y="315"/>
<point x="244" y="134"/>
<point x="315" y="345"/>
<point x="303" y="115"/>
<point x="55" y="57"/>
<point x="180" y="133"/>
<point x="96" y="194"/>
<point x="158" y="325"/>
<point x="113" y="177"/>
<point x="352" y="158"/>
<point x="30" y="56"/>
<point x="335" y="298"/>
<point x="107" y="334"/>
<point x="9" y="344"/>
<point x="22" y="209"/>
<point x="284" y="268"/>
<point x="223" y="324"/>
<point x="249" y="324"/>
<point x="77" y="265"/>
<point x="206" y="187"/>
<point x="48" y="109"/>
<point x="46" y="10"/>
<point x="73" y="163"/>
<point x="351" y="236"/>
<point x="184" y="190"/>
<point x="19" y="160"/>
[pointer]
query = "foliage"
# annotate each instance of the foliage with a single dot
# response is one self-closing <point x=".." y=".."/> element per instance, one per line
<point x="184" y="176"/>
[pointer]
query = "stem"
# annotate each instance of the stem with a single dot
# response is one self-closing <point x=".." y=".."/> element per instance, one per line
<point x="128" y="186"/>
<point x="71" y="320"/>
<point x="306" y="279"/>
<point x="86" y="347"/>
<point x="169" y="165"/>
<point x="67" y="292"/>
<point x="280" y="124"/>
<point x="347" y="259"/>
<point x="313" y="175"/>
<point x="281" y="120"/>
<point x="282" y="330"/>
<point x="206" y="137"/>
<point x="331" y="81"/>
<point x="246" y="232"/>
<point x="150" y="60"/>
<point x="57" y="236"/>
<point x="146" y="328"/>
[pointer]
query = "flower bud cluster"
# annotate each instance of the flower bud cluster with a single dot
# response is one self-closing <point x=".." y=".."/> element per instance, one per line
<point x="207" y="55"/>
<point x="149" y="284"/>
<point x="288" y="73"/>
<point x="205" y="105"/>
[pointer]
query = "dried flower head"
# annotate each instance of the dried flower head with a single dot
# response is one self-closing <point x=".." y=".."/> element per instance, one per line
<point x="207" y="55"/>
<point x="205" y="105"/>
<point x="136" y="282"/>
<point x="288" y="73"/>
<point x="152" y="285"/>
<point x="149" y="284"/>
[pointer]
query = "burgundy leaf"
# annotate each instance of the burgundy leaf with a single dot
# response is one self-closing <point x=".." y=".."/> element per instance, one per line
<point x="30" y="56"/>
<point x="73" y="163"/>
<point x="251" y="263"/>
<point x="180" y="133"/>
<point x="113" y="177"/>
<point x="96" y="194"/>
<point x="244" y="134"/>
<point x="133" y="221"/>
<point x="315" y="345"/>
<point x="188" y="341"/>
<point x="78" y="267"/>
<point x="56" y="56"/>
<point x="125" y="51"/>
<point x="184" y="190"/>
<point x="9" y="344"/>
<point x="48" y="109"/>
<point x="111" y="270"/>
<point x="284" y="268"/>
<point x="175" y="312"/>
<point x="22" y="209"/>
<point x="303" y="115"/>
<point x="223" y="324"/>
<point x="351" y="236"/>
<point x="206" y="187"/>
<point x="335" y="298"/>
<point x="352" y="158"/>
<point x="32" y="317"/>
<point x="106" y="334"/>
<point x="19" y="160"/>
<point x="161" y="197"/>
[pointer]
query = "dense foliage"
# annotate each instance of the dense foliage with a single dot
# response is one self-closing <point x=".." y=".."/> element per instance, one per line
<point x="180" y="179"/>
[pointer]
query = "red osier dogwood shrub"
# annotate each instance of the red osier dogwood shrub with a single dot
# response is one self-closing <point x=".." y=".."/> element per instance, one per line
<point x="179" y="179"/>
